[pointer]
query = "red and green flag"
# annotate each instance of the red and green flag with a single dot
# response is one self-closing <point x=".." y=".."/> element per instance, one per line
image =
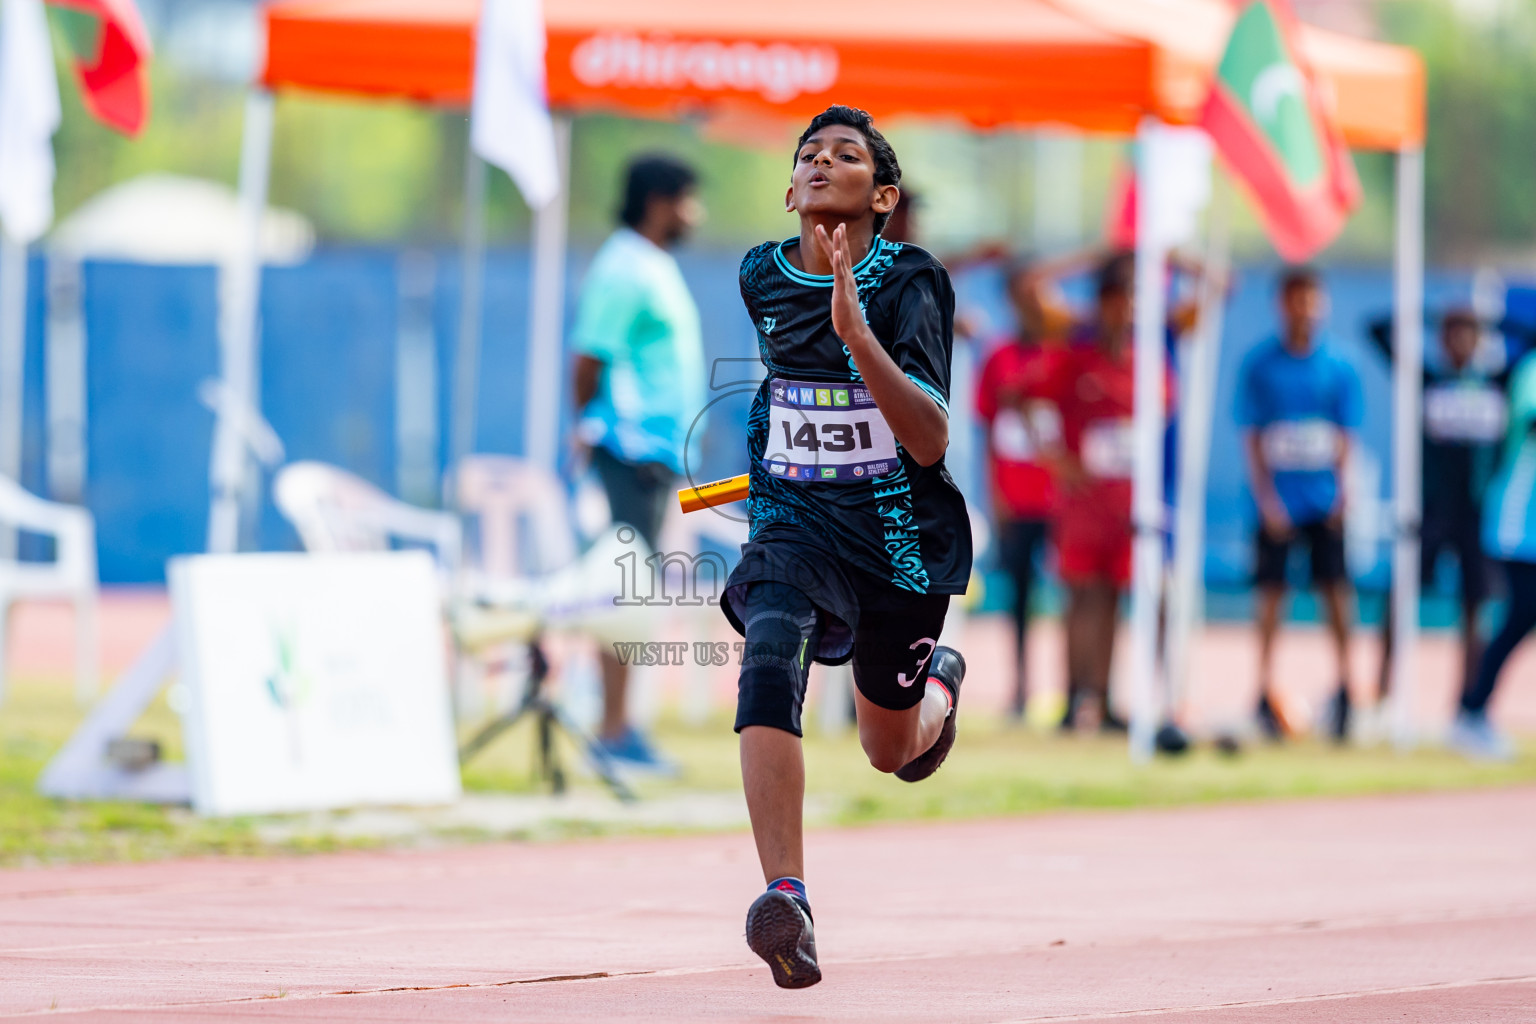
<point x="1275" y="131"/>
<point x="111" y="52"/>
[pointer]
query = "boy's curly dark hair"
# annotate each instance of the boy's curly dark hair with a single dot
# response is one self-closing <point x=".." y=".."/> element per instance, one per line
<point x="887" y="170"/>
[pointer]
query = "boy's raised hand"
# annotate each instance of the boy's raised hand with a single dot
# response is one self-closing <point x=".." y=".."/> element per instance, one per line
<point x="847" y="317"/>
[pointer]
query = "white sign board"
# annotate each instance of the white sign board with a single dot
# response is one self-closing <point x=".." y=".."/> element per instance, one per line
<point x="313" y="681"/>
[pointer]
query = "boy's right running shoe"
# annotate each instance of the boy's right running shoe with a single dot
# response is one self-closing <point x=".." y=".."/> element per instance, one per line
<point x="779" y="930"/>
<point x="948" y="669"/>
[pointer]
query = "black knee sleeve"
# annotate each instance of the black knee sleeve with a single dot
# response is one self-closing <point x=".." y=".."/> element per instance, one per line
<point x="782" y="629"/>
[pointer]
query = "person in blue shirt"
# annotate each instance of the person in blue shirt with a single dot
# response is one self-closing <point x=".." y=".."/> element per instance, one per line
<point x="1299" y="403"/>
<point x="1509" y="535"/>
<point x="639" y="383"/>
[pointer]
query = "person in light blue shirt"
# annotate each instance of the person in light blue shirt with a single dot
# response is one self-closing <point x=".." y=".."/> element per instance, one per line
<point x="1299" y="403"/>
<point x="1509" y="535"/>
<point x="639" y="382"/>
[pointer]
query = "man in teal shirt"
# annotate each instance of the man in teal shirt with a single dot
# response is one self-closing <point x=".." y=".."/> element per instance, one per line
<point x="639" y="380"/>
<point x="1509" y="535"/>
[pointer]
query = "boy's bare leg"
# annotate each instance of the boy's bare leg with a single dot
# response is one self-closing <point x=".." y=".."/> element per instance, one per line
<point x="892" y="738"/>
<point x="1339" y="606"/>
<point x="1079" y="626"/>
<point x="1103" y="623"/>
<point x="773" y="775"/>
<point x="1267" y="615"/>
<point x="615" y="688"/>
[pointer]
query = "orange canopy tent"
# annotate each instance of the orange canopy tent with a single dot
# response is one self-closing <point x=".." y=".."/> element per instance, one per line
<point x="1096" y="65"/>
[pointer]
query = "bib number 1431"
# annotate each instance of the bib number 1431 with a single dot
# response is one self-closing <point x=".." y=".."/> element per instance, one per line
<point x="834" y="437"/>
<point x="826" y="433"/>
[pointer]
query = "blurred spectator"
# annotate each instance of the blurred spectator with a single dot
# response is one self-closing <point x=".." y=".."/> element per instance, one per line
<point x="1299" y="403"/>
<point x="1509" y="535"/>
<point x="1093" y="466"/>
<point x="1465" y="415"/>
<point x="1014" y="380"/>
<point x="639" y="381"/>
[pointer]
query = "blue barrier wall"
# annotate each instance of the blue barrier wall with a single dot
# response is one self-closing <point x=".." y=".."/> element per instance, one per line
<point x="328" y="370"/>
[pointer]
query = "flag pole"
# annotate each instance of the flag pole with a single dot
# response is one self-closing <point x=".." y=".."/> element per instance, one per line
<point x="546" y="314"/>
<point x="1147" y="511"/>
<point x="1197" y="403"/>
<point x="466" y="363"/>
<point x="239" y="316"/>
<point x="1407" y="391"/>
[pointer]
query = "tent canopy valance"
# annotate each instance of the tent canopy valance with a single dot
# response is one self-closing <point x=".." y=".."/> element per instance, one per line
<point x="1096" y="65"/>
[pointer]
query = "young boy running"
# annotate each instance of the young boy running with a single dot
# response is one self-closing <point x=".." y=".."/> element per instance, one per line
<point x="858" y="534"/>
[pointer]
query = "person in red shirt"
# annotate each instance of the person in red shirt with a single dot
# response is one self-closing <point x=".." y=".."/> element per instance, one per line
<point x="1092" y="389"/>
<point x="1013" y="401"/>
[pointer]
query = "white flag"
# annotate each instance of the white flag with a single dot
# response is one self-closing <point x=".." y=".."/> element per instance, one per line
<point x="509" y="120"/>
<point x="29" y="115"/>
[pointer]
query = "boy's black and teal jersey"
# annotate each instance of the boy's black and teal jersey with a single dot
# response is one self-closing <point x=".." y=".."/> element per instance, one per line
<point x="822" y="457"/>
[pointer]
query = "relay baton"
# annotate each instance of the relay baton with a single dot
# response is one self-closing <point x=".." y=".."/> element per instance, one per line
<point x="718" y="492"/>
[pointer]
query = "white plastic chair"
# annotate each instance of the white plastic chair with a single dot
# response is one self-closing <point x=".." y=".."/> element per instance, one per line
<point x="71" y="575"/>
<point x="525" y="523"/>
<point x="333" y="510"/>
<point x="523" y="535"/>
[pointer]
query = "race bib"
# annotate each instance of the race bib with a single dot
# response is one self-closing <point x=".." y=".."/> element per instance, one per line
<point x="1109" y="449"/>
<point x="1476" y="414"/>
<point x="1300" y="446"/>
<point x="831" y="433"/>
<point x="1018" y="436"/>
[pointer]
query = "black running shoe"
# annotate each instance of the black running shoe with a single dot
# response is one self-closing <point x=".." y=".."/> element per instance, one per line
<point x="779" y="930"/>
<point x="1068" y="721"/>
<point x="1113" y="724"/>
<point x="1339" y="713"/>
<point x="1270" y="725"/>
<point x="948" y="668"/>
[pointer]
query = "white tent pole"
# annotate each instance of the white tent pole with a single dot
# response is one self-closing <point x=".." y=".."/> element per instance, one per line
<point x="1197" y="413"/>
<point x="1407" y="390"/>
<point x="1147" y="511"/>
<point x="546" y="315"/>
<point x="240" y="295"/>
<point x="466" y="363"/>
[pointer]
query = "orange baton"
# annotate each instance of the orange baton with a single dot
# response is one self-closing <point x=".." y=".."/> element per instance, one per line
<point x="719" y="492"/>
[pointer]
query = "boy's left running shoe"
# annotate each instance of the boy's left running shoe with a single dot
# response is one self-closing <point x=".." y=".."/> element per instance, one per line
<point x="948" y="668"/>
<point x="779" y="930"/>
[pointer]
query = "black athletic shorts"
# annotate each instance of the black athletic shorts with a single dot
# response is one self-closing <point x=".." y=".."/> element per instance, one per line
<point x="638" y="492"/>
<point x="889" y="634"/>
<point x="1461" y="534"/>
<point x="1326" y="547"/>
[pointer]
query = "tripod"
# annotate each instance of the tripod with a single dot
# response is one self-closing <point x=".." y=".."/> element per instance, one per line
<point x="549" y="717"/>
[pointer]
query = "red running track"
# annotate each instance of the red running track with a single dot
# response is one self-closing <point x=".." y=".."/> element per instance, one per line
<point x="1412" y="908"/>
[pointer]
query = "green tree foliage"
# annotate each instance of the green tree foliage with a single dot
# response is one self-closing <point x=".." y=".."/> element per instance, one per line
<point x="1482" y="121"/>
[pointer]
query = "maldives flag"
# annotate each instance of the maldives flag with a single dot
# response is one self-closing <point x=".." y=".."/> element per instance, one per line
<point x="1273" y="127"/>
<point x="111" y="59"/>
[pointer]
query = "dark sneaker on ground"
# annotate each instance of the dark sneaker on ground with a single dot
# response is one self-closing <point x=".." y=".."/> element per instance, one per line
<point x="1270" y="725"/>
<point x="1068" y="721"/>
<point x="779" y="930"/>
<point x="1338" y="715"/>
<point x="1113" y="723"/>
<point x="948" y="669"/>
<point x="1171" y="740"/>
